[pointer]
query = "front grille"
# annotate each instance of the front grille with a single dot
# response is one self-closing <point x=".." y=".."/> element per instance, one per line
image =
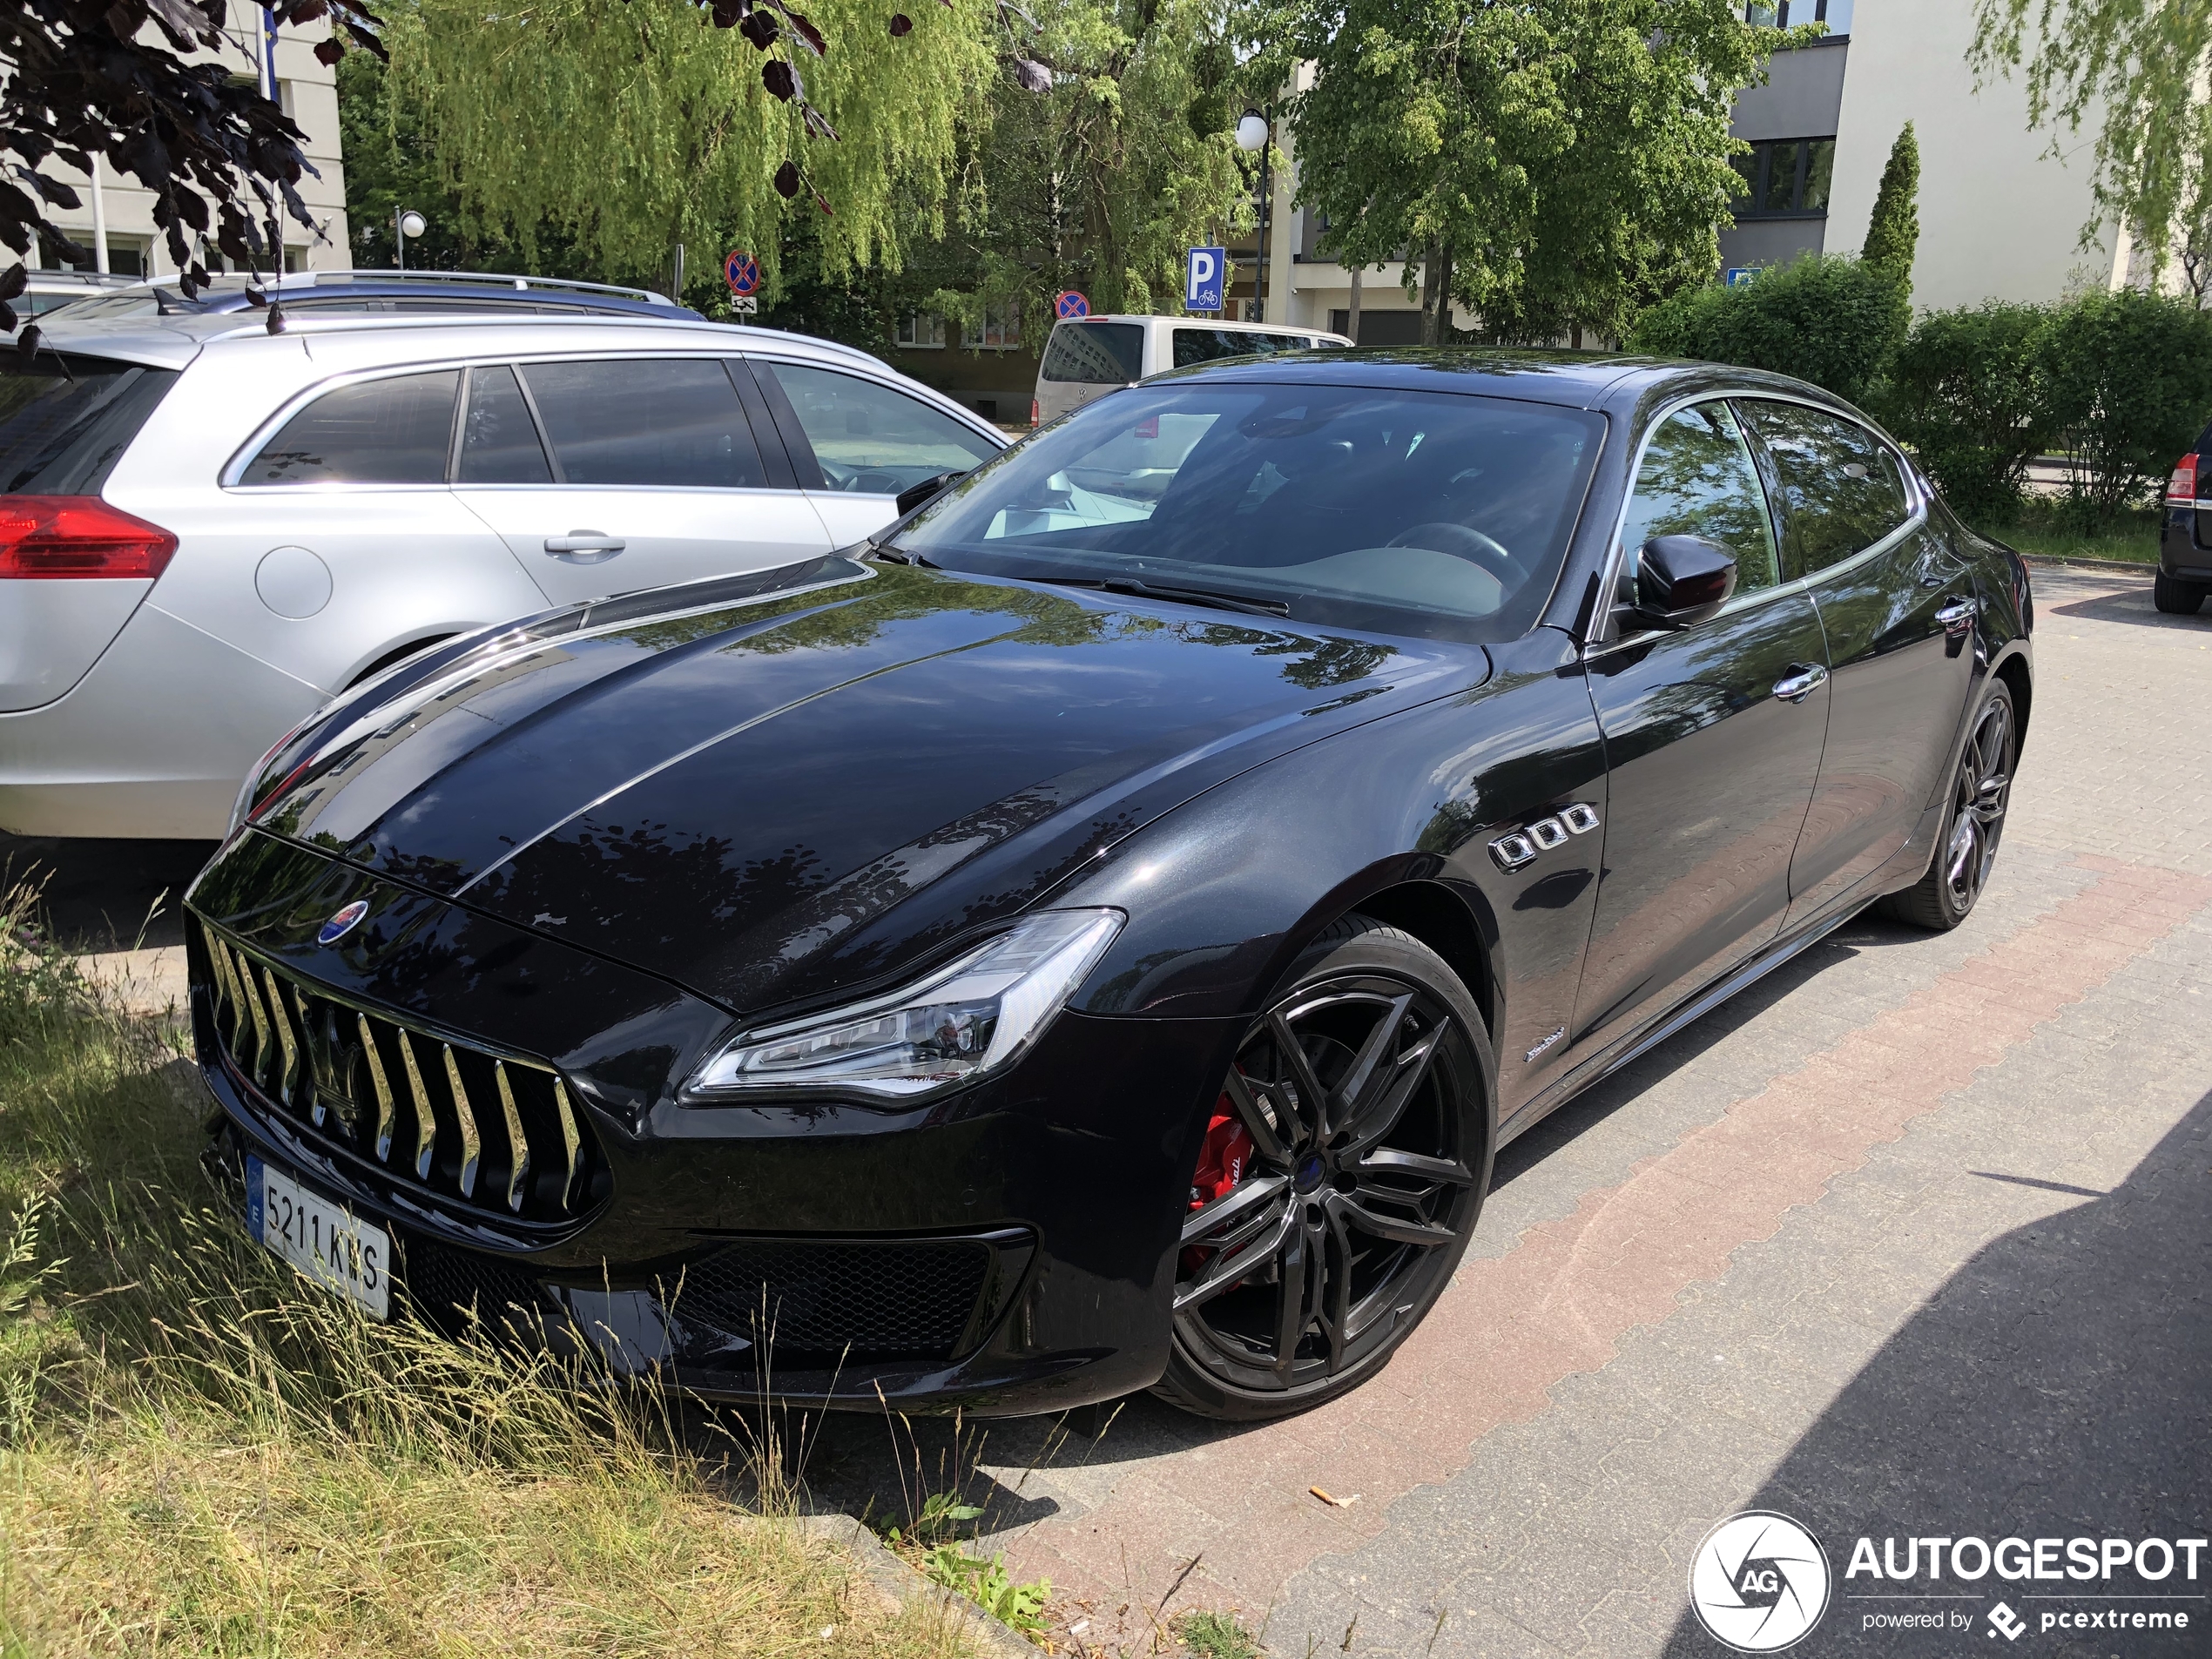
<point x="841" y="1299"/>
<point x="493" y="1133"/>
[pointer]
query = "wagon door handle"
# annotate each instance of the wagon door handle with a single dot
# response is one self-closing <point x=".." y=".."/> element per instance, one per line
<point x="595" y="543"/>
<point x="1958" y="615"/>
<point x="1801" y="682"/>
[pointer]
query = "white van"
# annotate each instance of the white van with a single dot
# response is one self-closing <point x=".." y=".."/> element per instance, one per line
<point x="1088" y="357"/>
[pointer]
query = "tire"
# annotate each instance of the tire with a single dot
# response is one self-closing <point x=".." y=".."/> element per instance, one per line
<point x="2175" y="597"/>
<point x="1973" y="823"/>
<point x="1342" y="1228"/>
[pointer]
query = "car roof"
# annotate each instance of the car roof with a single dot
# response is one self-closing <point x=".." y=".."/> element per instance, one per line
<point x="307" y="290"/>
<point x="1580" y="380"/>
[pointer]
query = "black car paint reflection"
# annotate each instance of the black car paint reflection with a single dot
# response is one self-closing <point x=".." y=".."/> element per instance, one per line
<point x="609" y="839"/>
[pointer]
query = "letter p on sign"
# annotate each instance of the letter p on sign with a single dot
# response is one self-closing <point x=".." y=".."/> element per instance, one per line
<point x="1202" y="279"/>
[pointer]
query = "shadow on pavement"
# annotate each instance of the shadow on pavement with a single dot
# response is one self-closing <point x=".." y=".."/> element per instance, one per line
<point x="99" y="894"/>
<point x="2132" y="604"/>
<point x="2055" y="1386"/>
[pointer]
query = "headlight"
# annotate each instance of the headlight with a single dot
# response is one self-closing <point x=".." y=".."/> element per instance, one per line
<point x="961" y="1021"/>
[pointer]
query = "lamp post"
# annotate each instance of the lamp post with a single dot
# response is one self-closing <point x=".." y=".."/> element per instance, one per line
<point x="406" y="222"/>
<point x="1254" y="132"/>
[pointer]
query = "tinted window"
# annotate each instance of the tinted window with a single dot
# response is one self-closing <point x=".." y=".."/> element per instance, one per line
<point x="1095" y="354"/>
<point x="392" y="431"/>
<point x="1839" y="486"/>
<point x="499" y="443"/>
<point x="1697" y="479"/>
<point x="1194" y="346"/>
<point x="1408" y="511"/>
<point x="64" y="428"/>
<point x="672" y="421"/>
<point x="870" y="440"/>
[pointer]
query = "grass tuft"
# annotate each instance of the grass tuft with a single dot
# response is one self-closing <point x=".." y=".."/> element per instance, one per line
<point x="201" y="1453"/>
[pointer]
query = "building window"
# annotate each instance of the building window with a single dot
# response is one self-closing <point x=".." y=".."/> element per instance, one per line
<point x="922" y="332"/>
<point x="1788" y="14"/>
<point x="999" y="330"/>
<point x="1784" y="178"/>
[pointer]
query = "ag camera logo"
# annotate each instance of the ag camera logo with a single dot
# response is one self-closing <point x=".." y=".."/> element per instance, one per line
<point x="1759" y="1582"/>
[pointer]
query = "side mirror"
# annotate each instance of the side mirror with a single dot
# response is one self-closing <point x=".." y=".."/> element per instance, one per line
<point x="1681" y="580"/>
<point x="913" y="495"/>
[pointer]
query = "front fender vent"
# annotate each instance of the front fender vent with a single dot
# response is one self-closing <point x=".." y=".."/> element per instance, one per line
<point x="494" y="1133"/>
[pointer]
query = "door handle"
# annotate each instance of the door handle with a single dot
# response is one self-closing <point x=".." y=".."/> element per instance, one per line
<point x="1801" y="682"/>
<point x="597" y="545"/>
<point x="1959" y="615"/>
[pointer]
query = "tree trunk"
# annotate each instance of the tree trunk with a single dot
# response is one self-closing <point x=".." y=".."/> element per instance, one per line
<point x="1436" y="293"/>
<point x="1351" y="318"/>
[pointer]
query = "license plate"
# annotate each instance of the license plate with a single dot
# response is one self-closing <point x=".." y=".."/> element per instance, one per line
<point x="324" y="1240"/>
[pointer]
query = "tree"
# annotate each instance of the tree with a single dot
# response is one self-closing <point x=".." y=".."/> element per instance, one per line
<point x="1893" y="233"/>
<point x="1970" y="393"/>
<point x="2141" y="66"/>
<point x="631" y="128"/>
<point x="108" y="78"/>
<point x="1551" y="164"/>
<point x="1831" y="321"/>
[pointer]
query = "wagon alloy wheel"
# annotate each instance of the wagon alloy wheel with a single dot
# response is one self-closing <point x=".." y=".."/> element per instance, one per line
<point x="1353" y="1104"/>
<point x="1978" y="806"/>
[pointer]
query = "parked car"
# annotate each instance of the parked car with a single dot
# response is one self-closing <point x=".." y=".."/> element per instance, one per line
<point x="2185" y="541"/>
<point x="207" y="530"/>
<point x="47" y="292"/>
<point x="1101" y="939"/>
<point x="375" y="293"/>
<point x="1088" y="357"/>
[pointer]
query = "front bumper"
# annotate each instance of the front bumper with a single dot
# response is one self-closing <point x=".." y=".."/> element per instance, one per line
<point x="1008" y="1249"/>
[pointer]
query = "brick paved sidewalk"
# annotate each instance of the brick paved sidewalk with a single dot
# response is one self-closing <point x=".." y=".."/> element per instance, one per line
<point x="1912" y="1237"/>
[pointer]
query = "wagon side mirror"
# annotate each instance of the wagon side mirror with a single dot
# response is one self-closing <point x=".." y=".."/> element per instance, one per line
<point x="913" y="495"/>
<point x="1681" y="580"/>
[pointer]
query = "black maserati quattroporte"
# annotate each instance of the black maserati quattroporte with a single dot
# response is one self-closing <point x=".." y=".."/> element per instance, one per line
<point x="1096" y="935"/>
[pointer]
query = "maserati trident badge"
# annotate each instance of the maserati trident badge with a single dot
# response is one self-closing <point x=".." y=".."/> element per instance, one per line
<point x="342" y="924"/>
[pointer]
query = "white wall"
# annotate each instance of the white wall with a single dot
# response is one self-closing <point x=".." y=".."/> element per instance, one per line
<point x="1999" y="218"/>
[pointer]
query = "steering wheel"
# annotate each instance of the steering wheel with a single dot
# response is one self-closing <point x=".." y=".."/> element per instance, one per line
<point x="1458" y="540"/>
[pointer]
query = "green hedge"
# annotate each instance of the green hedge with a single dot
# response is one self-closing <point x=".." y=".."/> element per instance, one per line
<point x="2121" y="382"/>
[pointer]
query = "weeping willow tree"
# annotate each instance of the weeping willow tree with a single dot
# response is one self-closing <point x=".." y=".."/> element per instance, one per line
<point x="621" y="131"/>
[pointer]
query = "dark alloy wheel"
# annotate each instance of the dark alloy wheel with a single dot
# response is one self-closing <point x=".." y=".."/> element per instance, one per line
<point x="1980" y="794"/>
<point x="1341" y="1176"/>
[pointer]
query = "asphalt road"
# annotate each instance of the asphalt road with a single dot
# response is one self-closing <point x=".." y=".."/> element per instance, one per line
<point x="1913" y="1238"/>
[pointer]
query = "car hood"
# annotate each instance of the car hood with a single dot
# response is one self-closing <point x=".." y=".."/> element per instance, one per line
<point x="806" y="789"/>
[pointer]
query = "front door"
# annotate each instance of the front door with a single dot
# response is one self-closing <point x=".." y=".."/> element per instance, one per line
<point x="1712" y="744"/>
<point x="607" y="475"/>
<point x="1897" y="609"/>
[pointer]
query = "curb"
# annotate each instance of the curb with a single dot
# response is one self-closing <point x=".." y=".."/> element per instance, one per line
<point x="2119" y="566"/>
<point x="903" y="1585"/>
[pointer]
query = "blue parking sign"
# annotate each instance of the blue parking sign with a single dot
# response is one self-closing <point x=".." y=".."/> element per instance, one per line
<point x="1204" y="277"/>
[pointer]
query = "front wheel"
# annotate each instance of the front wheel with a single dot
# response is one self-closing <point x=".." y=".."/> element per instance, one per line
<point x="2176" y="598"/>
<point x="1340" y="1177"/>
<point x="1981" y="790"/>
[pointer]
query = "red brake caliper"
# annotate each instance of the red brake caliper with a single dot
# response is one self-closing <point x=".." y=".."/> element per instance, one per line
<point x="1222" y="1161"/>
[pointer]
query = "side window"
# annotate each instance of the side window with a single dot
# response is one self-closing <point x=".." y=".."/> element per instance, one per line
<point x="395" y="431"/>
<point x="1697" y="479"/>
<point x="870" y="440"/>
<point x="1837" y="486"/>
<point x="670" y="421"/>
<point x="1194" y="346"/>
<point x="499" y="441"/>
<point x="1095" y="353"/>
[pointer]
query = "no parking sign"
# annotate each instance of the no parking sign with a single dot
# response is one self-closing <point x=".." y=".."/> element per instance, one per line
<point x="1068" y="303"/>
<point x="742" y="272"/>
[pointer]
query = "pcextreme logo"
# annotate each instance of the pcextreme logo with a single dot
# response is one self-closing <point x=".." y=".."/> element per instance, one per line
<point x="1759" y="1581"/>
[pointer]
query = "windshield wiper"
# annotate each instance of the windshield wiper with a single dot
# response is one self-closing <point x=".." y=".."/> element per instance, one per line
<point x="1188" y="596"/>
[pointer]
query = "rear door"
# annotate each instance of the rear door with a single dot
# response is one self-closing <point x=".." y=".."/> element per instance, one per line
<point x="1712" y="744"/>
<point x="856" y="442"/>
<point x="64" y="424"/>
<point x="1898" y="608"/>
<point x="1084" y="360"/>
<point x="608" y="475"/>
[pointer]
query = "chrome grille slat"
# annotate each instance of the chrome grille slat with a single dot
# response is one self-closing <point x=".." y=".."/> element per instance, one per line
<point x="518" y="1145"/>
<point x="324" y="1068"/>
<point x="472" y="1140"/>
<point x="387" y="1112"/>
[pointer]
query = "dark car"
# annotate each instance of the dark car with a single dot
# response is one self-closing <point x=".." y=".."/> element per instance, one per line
<point x="1098" y="936"/>
<point x="2185" y="541"/>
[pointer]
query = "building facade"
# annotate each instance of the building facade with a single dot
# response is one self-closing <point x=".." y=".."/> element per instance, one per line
<point x="114" y="220"/>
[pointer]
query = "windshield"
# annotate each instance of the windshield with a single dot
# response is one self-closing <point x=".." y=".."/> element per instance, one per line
<point x="1424" y="513"/>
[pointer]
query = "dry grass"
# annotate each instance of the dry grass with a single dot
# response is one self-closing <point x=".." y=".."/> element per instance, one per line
<point x="201" y="1453"/>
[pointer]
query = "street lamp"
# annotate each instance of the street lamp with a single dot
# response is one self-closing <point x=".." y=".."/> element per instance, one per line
<point x="407" y="223"/>
<point x="1253" y="133"/>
